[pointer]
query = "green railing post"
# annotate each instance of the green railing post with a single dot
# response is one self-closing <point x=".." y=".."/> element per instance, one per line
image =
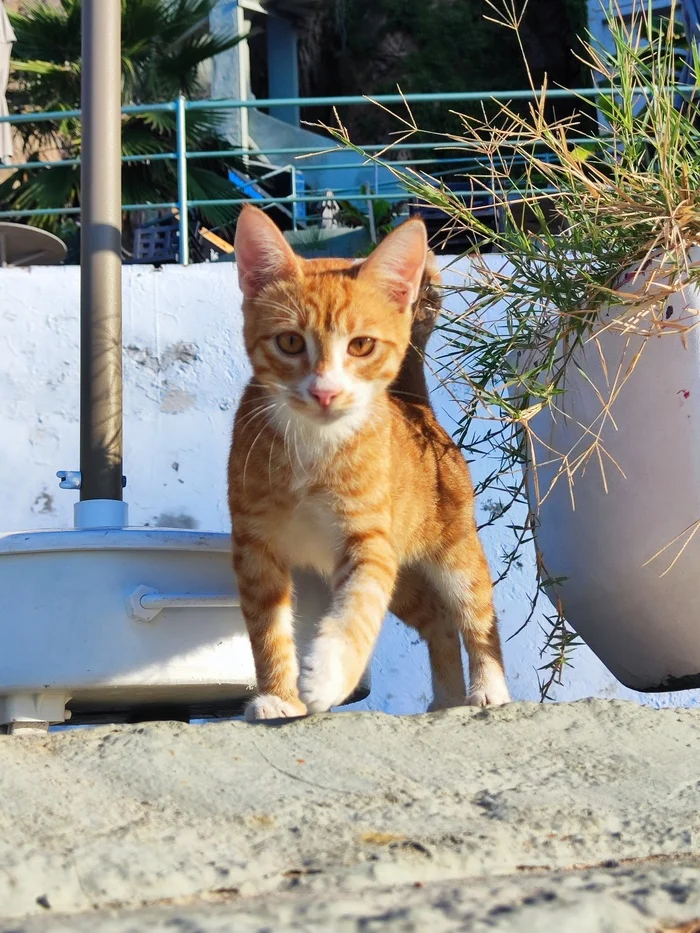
<point x="181" y="140"/>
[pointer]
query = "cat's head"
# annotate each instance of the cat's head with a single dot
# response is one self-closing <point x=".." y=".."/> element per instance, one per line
<point x="325" y="337"/>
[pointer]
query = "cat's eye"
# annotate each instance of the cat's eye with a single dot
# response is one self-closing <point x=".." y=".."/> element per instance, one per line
<point x="290" y="343"/>
<point x="361" y="346"/>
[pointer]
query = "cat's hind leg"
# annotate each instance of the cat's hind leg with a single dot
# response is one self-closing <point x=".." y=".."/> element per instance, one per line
<point x="418" y="602"/>
<point x="461" y="576"/>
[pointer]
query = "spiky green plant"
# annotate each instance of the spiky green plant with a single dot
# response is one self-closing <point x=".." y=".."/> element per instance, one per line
<point x="622" y="195"/>
<point x="164" y="45"/>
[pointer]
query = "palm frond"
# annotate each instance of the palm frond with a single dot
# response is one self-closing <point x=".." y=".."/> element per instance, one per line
<point x="164" y="43"/>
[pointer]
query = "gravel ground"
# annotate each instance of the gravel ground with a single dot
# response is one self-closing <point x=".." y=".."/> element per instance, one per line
<point x="571" y="817"/>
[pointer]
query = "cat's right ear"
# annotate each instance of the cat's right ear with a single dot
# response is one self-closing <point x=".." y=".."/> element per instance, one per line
<point x="262" y="253"/>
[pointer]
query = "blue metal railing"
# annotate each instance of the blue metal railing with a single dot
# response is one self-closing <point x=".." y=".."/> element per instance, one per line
<point x="181" y="155"/>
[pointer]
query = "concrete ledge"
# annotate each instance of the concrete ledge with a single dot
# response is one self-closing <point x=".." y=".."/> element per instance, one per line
<point x="582" y="816"/>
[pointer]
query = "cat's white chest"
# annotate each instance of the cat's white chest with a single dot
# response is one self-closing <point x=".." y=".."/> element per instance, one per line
<point x="310" y="536"/>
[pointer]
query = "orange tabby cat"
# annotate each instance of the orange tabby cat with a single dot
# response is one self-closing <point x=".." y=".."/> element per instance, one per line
<point x="328" y="470"/>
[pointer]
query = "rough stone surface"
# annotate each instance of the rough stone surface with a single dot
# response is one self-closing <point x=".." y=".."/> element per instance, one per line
<point x="582" y="816"/>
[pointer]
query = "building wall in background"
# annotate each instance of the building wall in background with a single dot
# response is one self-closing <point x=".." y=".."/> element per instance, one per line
<point x="598" y="11"/>
<point x="184" y="369"/>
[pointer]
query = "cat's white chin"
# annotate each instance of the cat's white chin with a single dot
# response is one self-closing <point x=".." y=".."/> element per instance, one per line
<point x="323" y="417"/>
<point x="309" y="436"/>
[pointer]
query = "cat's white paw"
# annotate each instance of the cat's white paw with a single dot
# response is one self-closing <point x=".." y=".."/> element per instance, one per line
<point x="322" y="680"/>
<point x="268" y="706"/>
<point x="492" y="692"/>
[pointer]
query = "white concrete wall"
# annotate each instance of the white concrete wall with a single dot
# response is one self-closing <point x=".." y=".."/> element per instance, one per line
<point x="184" y="368"/>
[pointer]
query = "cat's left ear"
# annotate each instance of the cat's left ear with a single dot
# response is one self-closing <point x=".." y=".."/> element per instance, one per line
<point x="398" y="262"/>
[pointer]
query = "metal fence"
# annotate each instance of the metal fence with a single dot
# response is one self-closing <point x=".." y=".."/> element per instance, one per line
<point x="180" y="107"/>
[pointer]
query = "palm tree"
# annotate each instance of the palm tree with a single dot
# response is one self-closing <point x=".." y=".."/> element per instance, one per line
<point x="164" y="45"/>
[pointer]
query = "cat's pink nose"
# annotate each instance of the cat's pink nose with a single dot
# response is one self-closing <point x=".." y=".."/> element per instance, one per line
<point x="324" y="397"/>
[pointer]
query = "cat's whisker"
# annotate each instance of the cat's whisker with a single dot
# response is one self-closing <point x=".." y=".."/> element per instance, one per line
<point x="259" y="400"/>
<point x="265" y="403"/>
<point x="250" y="420"/>
<point x="284" y="441"/>
<point x="250" y="451"/>
<point x="294" y="438"/>
<point x="298" y="308"/>
<point x="287" y="314"/>
<point x="292" y="466"/>
<point x="269" y="460"/>
<point x="393" y="391"/>
<point x="267" y="385"/>
<point x="251" y="417"/>
<point x="288" y="321"/>
<point x="279" y="306"/>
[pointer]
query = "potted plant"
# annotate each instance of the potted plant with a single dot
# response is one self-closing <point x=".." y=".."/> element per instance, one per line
<point x="578" y="346"/>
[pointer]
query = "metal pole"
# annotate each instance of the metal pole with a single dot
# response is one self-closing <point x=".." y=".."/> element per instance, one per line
<point x="100" y="260"/>
<point x="181" y="141"/>
<point x="295" y="205"/>
<point x="370" y="214"/>
<point x="243" y="59"/>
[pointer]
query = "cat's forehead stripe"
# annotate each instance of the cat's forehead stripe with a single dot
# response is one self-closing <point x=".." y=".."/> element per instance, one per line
<point x="327" y="300"/>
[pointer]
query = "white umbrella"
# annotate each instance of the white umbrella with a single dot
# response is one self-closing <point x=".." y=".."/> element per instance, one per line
<point x="7" y="37"/>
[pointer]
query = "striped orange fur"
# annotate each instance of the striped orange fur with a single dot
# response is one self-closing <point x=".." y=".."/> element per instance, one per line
<point x="338" y="464"/>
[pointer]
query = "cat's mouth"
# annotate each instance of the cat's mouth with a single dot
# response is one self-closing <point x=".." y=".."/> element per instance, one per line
<point x="328" y="414"/>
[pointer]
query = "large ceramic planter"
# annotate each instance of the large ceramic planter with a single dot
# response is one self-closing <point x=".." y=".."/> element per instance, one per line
<point x="105" y="625"/>
<point x="643" y="624"/>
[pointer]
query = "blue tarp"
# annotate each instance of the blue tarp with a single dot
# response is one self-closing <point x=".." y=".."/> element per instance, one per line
<point x="246" y="185"/>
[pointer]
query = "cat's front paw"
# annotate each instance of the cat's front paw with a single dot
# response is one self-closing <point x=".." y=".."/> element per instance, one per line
<point x="323" y="676"/>
<point x="268" y="706"/>
<point x="492" y="693"/>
